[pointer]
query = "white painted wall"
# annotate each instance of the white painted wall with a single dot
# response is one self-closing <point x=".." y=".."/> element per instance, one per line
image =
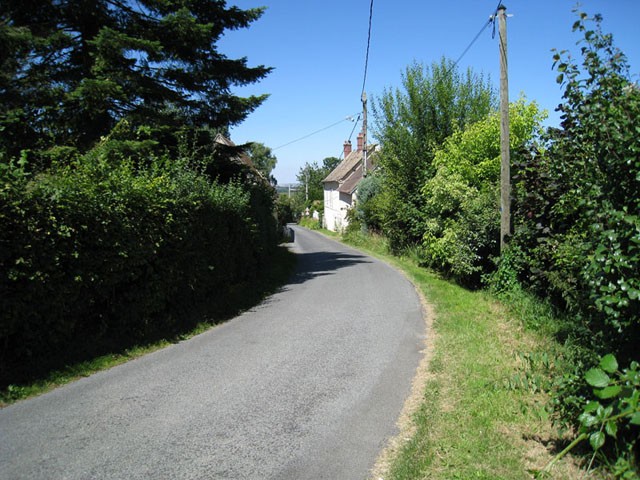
<point x="336" y="205"/>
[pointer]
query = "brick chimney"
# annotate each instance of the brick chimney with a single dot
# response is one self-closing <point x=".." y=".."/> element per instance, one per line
<point x="347" y="148"/>
<point x="360" y="141"/>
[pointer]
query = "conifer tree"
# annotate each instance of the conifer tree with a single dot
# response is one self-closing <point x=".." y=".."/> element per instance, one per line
<point x="71" y="69"/>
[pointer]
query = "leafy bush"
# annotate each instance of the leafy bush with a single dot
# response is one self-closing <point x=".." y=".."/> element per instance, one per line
<point x="310" y="222"/>
<point x="98" y="251"/>
<point x="411" y="123"/>
<point x="460" y="202"/>
<point x="612" y="412"/>
<point x="577" y="201"/>
<point x="366" y="214"/>
<point x="576" y="213"/>
<point x="460" y="233"/>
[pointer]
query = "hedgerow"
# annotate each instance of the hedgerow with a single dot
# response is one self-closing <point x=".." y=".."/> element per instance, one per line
<point x="577" y="242"/>
<point x="96" y="251"/>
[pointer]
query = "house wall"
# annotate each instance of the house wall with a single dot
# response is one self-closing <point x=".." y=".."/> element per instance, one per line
<point x="336" y="205"/>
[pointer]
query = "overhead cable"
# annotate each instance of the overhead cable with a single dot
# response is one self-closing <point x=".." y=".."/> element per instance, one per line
<point x="492" y="18"/>
<point x="348" y="118"/>
<point x="366" y="58"/>
<point x="485" y="25"/>
<point x="355" y="124"/>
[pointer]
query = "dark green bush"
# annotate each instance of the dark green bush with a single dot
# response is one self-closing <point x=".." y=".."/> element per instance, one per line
<point x="98" y="251"/>
<point x="577" y="216"/>
<point x="577" y="203"/>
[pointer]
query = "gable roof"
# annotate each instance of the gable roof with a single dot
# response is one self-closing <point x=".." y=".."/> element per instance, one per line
<point x="240" y="157"/>
<point x="237" y="155"/>
<point x="348" y="173"/>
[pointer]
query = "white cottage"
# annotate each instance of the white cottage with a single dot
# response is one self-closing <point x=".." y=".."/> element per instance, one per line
<point x="340" y="186"/>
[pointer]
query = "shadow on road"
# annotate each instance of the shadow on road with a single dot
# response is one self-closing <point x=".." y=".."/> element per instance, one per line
<point x="316" y="264"/>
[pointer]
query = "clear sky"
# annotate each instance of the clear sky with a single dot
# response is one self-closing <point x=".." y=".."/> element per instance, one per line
<point x="317" y="48"/>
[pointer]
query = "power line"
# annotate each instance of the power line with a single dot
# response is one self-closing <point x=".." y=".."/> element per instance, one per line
<point x="355" y="124"/>
<point x="366" y="58"/>
<point x="491" y="21"/>
<point x="348" y="118"/>
<point x="484" y="27"/>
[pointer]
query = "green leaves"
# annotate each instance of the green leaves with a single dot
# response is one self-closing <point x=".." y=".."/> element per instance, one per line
<point x="609" y="363"/>
<point x="460" y="201"/>
<point x="597" y="378"/>
<point x="618" y="408"/>
<point x="411" y="123"/>
<point x="596" y="439"/>
<point x="101" y="250"/>
<point x="578" y="227"/>
<point x="75" y="72"/>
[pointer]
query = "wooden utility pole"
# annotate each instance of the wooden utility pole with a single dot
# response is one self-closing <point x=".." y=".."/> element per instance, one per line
<point x="505" y="164"/>
<point x="364" y="134"/>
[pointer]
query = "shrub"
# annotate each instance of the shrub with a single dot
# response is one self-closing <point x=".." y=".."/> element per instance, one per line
<point x="577" y="202"/>
<point x="411" y="122"/>
<point x="460" y="202"/>
<point x="368" y="209"/>
<point x="576" y="212"/>
<point x="98" y="251"/>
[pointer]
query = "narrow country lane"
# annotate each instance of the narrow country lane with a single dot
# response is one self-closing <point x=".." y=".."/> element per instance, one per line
<point x="307" y="385"/>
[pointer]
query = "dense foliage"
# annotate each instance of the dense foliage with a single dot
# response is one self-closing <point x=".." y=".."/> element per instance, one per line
<point x="460" y="201"/>
<point x="96" y="251"/>
<point x="366" y="214"/>
<point x="263" y="159"/>
<point x="72" y="69"/>
<point x="577" y="213"/>
<point x="411" y="123"/>
<point x="121" y="215"/>
<point x="577" y="202"/>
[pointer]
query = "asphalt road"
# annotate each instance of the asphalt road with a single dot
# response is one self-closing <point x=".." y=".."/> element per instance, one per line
<point x="308" y="385"/>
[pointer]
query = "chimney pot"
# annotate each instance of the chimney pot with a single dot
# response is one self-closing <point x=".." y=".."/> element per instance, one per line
<point x="347" y="148"/>
<point x="360" y="142"/>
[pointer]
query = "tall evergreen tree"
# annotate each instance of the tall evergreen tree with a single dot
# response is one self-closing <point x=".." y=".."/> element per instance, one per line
<point x="71" y="69"/>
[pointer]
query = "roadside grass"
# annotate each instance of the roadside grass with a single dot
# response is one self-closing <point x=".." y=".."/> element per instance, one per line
<point x="483" y="410"/>
<point x="242" y="298"/>
<point x="311" y="223"/>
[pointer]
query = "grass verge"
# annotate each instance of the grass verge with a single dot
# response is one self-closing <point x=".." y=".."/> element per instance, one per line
<point x="482" y="411"/>
<point x="241" y="298"/>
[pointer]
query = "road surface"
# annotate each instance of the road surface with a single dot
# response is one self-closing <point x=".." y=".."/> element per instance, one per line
<point x="307" y="385"/>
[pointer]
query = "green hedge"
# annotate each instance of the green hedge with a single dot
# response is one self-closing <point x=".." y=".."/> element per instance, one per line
<point x="96" y="252"/>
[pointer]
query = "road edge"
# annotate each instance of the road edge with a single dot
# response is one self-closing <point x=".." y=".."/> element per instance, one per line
<point x="404" y="423"/>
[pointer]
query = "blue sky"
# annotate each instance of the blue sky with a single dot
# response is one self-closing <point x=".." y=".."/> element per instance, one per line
<point x="317" y="48"/>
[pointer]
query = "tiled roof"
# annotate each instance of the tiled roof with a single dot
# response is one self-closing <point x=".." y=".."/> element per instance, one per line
<point x="351" y="182"/>
<point x="348" y="173"/>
